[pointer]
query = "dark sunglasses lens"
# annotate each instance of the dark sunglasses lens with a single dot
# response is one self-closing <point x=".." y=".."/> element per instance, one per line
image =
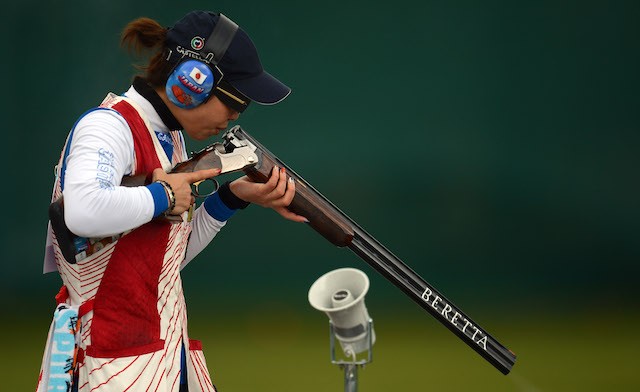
<point x="231" y="97"/>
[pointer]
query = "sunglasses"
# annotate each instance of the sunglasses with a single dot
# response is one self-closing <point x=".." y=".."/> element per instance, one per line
<point x="229" y="96"/>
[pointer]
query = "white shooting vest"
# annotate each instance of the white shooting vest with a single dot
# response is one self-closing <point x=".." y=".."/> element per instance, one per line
<point x="132" y="312"/>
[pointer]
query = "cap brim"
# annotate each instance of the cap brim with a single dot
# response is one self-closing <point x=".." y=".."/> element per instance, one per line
<point x="263" y="88"/>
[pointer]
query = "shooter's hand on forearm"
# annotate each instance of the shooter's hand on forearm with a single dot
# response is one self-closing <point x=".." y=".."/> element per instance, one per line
<point x="181" y="185"/>
<point x="277" y="193"/>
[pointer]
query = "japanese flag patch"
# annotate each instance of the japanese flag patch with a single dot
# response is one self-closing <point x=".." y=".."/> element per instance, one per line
<point x="197" y="75"/>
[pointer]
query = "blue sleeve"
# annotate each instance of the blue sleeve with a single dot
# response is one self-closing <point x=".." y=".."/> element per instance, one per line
<point x="160" y="201"/>
<point x="217" y="209"/>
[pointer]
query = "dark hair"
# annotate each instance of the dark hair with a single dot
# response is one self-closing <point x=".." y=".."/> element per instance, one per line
<point x="146" y="36"/>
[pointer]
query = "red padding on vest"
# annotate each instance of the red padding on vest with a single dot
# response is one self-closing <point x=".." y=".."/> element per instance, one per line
<point x="125" y="312"/>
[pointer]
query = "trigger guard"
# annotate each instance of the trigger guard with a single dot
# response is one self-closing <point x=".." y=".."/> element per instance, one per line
<point x="196" y="184"/>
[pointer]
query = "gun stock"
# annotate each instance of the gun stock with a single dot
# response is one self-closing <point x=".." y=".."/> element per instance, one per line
<point x="334" y="225"/>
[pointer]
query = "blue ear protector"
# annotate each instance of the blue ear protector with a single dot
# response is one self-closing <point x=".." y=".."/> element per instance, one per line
<point x="190" y="84"/>
<point x="192" y="81"/>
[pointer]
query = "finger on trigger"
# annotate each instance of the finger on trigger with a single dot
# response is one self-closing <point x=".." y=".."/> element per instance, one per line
<point x="201" y="175"/>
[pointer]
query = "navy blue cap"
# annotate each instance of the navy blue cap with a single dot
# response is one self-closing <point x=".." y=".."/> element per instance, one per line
<point x="240" y="64"/>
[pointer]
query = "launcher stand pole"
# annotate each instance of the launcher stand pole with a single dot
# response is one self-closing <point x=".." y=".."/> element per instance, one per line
<point x="351" y="367"/>
<point x="350" y="378"/>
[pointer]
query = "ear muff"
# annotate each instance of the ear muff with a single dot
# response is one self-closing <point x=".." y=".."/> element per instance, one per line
<point x="192" y="80"/>
<point x="190" y="84"/>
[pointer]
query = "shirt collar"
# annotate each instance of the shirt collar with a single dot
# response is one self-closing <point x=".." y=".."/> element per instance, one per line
<point x="158" y="113"/>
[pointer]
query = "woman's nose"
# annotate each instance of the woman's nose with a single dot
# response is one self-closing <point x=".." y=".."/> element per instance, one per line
<point x="234" y="115"/>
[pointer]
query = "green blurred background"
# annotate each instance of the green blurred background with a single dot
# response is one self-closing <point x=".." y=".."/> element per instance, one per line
<point x="493" y="146"/>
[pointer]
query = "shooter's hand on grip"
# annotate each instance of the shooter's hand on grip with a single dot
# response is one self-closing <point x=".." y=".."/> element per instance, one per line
<point x="181" y="185"/>
<point x="276" y="193"/>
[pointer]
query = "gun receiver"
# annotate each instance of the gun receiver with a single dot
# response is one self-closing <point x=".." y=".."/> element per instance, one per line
<point x="334" y="225"/>
<point x="214" y="156"/>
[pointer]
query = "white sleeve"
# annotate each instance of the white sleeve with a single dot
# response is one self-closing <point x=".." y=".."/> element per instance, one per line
<point x="204" y="228"/>
<point x="101" y="152"/>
